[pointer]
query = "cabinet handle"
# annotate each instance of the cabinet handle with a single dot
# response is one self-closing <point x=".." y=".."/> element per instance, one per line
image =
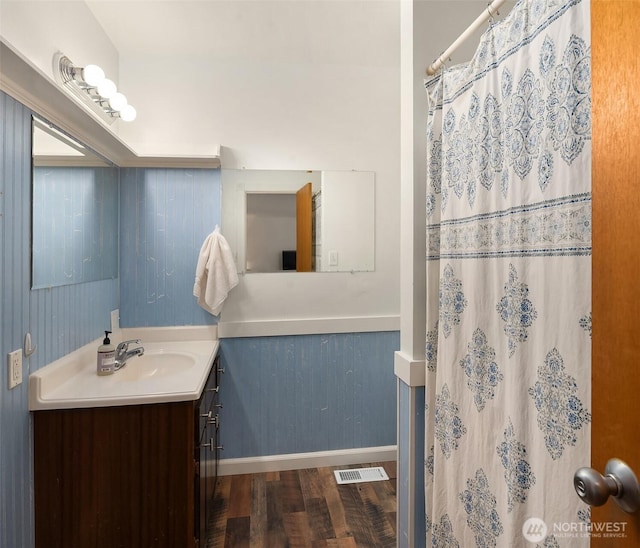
<point x="216" y="389"/>
<point x="208" y="445"/>
<point x="221" y="370"/>
<point x="211" y="419"/>
<point x="211" y="445"/>
<point x="219" y="405"/>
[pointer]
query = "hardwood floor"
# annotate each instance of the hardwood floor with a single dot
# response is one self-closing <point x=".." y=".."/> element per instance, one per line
<point x="304" y="508"/>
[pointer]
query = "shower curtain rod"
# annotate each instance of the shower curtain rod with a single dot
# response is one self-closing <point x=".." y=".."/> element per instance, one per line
<point x="492" y="9"/>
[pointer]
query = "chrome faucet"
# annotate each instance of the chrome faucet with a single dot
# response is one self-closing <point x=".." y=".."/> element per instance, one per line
<point x="123" y="353"/>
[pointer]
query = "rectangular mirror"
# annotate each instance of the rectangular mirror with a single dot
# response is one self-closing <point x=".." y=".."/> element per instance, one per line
<point x="75" y="211"/>
<point x="296" y="220"/>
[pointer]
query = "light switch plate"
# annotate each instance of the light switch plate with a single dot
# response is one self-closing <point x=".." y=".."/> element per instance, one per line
<point x="115" y="320"/>
<point x="14" y="367"/>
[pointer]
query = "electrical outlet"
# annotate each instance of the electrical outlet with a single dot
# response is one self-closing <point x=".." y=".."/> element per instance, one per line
<point x="14" y="366"/>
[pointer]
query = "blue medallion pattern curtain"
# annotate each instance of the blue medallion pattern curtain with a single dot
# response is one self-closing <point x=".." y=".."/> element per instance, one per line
<point x="508" y="347"/>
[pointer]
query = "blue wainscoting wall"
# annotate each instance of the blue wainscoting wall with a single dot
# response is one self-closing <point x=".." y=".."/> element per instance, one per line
<point x="165" y="215"/>
<point x="304" y="393"/>
<point x="281" y="395"/>
<point x="60" y="320"/>
<point x="411" y="411"/>
<point x="15" y="196"/>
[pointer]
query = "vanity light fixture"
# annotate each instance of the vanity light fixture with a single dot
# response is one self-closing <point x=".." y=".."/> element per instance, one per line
<point x="90" y="85"/>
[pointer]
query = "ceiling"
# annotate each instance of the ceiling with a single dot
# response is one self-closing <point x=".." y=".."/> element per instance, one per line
<point x="289" y="31"/>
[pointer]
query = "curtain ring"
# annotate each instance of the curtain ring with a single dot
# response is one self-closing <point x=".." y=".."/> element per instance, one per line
<point x="443" y="62"/>
<point x="491" y="15"/>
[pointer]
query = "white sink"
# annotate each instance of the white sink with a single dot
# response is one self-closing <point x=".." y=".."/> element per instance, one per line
<point x="154" y="365"/>
<point x="174" y="367"/>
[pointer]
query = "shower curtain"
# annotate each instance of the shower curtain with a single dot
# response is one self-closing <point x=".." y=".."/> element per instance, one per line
<point x="508" y="344"/>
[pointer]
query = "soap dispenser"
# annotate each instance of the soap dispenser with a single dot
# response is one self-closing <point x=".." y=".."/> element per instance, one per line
<point x="106" y="356"/>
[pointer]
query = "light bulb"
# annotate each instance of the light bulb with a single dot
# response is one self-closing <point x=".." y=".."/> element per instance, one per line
<point x="92" y="75"/>
<point x="107" y="88"/>
<point x="117" y="102"/>
<point x="128" y="113"/>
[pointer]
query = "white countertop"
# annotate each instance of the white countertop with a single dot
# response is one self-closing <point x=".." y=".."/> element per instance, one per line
<point x="72" y="382"/>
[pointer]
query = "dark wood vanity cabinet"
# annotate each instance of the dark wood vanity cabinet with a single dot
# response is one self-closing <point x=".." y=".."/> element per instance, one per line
<point x="207" y="451"/>
<point x="135" y="476"/>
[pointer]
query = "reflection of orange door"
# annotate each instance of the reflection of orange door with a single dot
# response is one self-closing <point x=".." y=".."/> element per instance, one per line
<point x="304" y="227"/>
<point x="616" y="250"/>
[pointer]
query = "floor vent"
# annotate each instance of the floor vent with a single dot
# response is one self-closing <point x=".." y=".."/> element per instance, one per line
<point x="360" y="475"/>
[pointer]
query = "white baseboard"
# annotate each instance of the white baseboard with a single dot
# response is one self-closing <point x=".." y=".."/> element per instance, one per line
<point x="297" y="461"/>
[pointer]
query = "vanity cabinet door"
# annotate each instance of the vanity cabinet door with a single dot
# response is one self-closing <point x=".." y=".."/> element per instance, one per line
<point x="115" y="477"/>
<point x="207" y="452"/>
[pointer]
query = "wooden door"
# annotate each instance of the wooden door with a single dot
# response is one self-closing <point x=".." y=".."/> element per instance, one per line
<point x="616" y="249"/>
<point x="304" y="228"/>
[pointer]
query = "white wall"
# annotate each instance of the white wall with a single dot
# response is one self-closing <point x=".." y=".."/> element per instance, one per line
<point x="328" y="100"/>
<point x="39" y="28"/>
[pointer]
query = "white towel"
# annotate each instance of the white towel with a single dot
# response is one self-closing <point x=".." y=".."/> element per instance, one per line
<point x="216" y="273"/>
